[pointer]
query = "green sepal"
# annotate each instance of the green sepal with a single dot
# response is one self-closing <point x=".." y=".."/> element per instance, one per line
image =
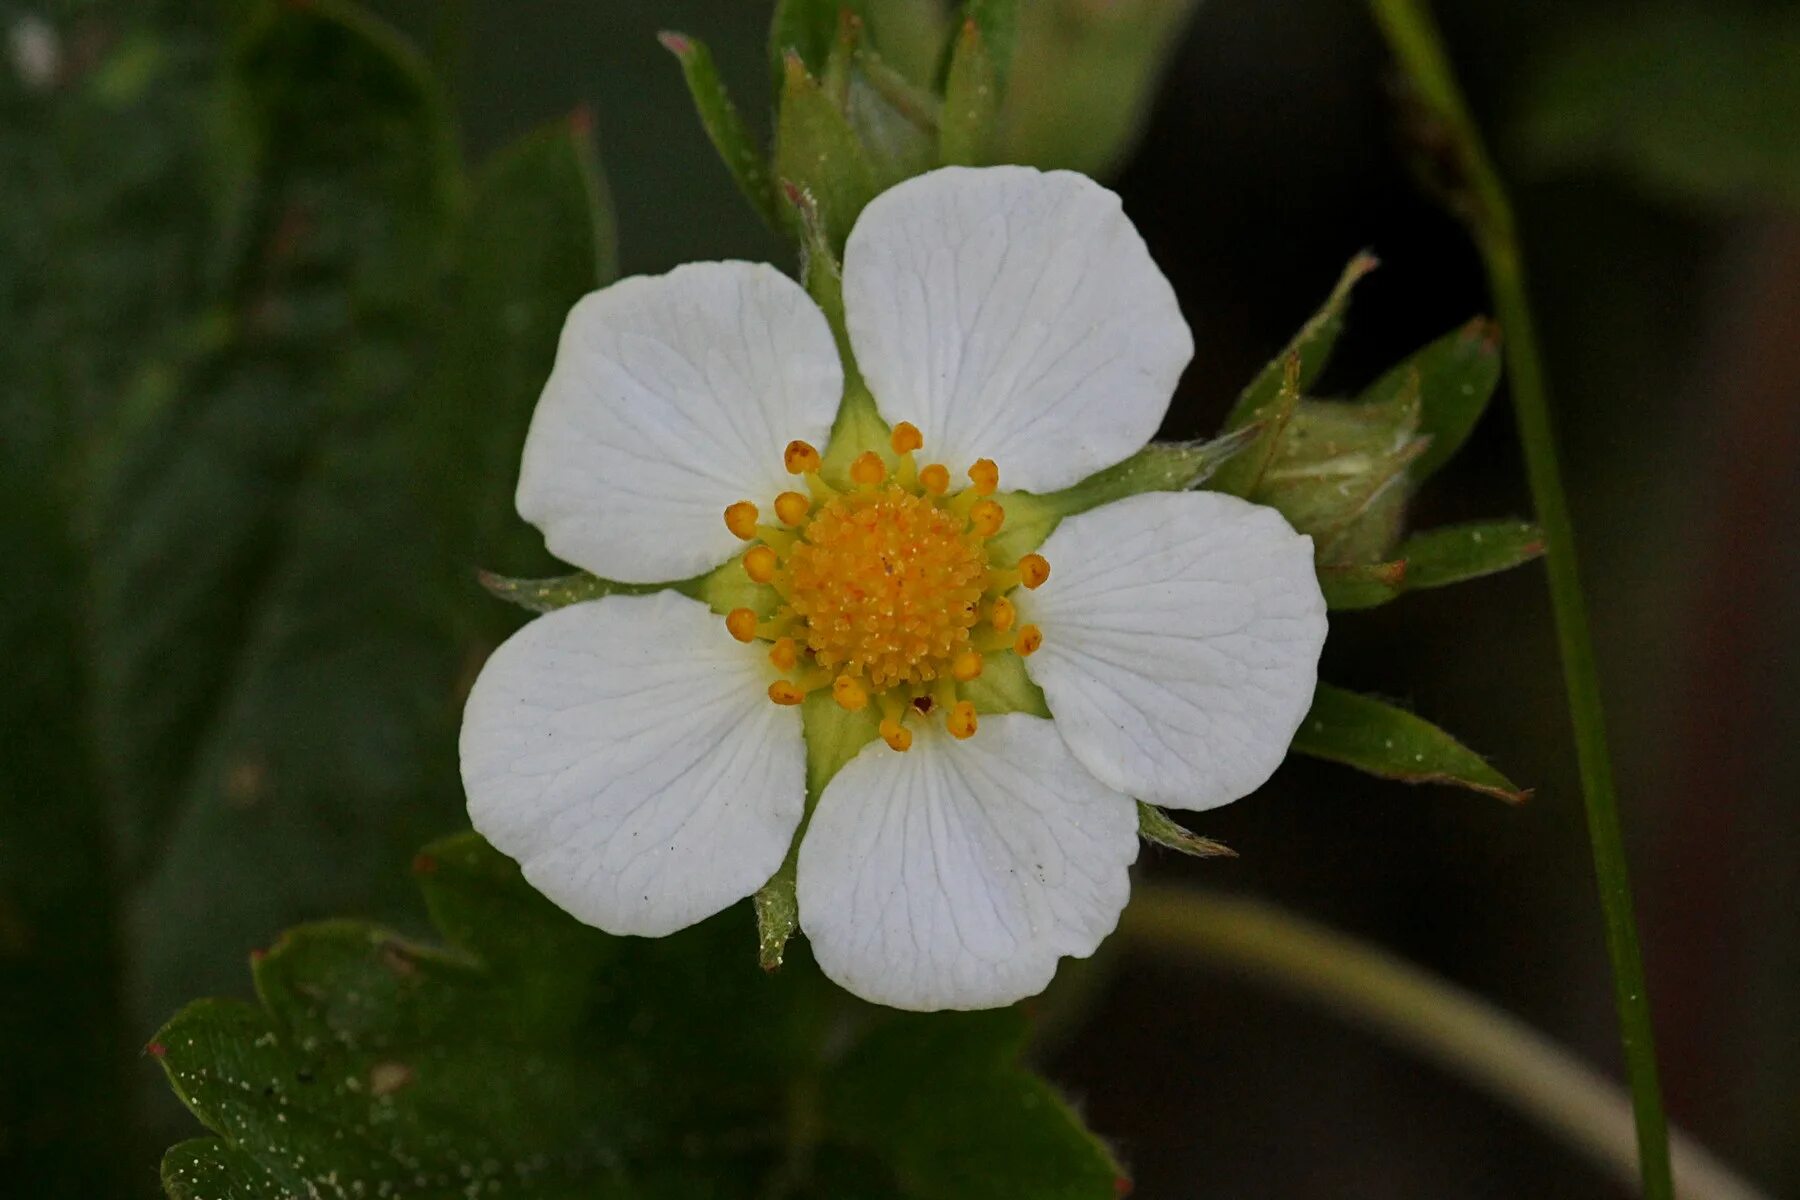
<point x="1435" y="558"/>
<point x="1004" y="687"/>
<point x="1158" y="467"/>
<point x="1243" y="474"/>
<point x="548" y="595"/>
<point x="725" y="126"/>
<point x="818" y="151"/>
<point x="895" y="120"/>
<point x="1456" y="376"/>
<point x="1311" y="347"/>
<point x="1157" y="826"/>
<point x="777" y="905"/>
<point x="1380" y="739"/>
<point x="971" y="101"/>
<point x="807" y="29"/>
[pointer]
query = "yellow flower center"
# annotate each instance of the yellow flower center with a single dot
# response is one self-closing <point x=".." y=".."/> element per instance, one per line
<point x="885" y="593"/>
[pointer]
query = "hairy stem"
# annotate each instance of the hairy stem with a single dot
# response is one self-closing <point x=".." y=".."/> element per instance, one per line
<point x="1458" y="1031"/>
<point x="1476" y="192"/>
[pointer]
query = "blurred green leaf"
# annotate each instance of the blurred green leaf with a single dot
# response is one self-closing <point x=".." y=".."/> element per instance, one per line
<point x="1697" y="102"/>
<point x="1373" y="736"/>
<point x="1158" y="827"/>
<point x="1083" y="78"/>
<point x="998" y="23"/>
<point x="725" y="128"/>
<point x="1434" y="558"/>
<point x="549" y="1060"/>
<point x="1455" y="377"/>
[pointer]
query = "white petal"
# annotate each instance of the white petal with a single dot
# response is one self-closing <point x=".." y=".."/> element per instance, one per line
<point x="625" y="752"/>
<point x="1013" y="315"/>
<point x="956" y="874"/>
<point x="1181" y="643"/>
<point x="672" y="397"/>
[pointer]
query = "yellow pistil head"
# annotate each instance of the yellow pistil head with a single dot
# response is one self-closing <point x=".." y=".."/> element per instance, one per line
<point x="740" y="518"/>
<point x="961" y="722"/>
<point x="884" y="593"/>
<point x="792" y="507"/>
<point x="742" y="623"/>
<point x="800" y="458"/>
<point x="760" y="564"/>
<point x="1029" y="639"/>
<point x="849" y="694"/>
<point x="868" y="470"/>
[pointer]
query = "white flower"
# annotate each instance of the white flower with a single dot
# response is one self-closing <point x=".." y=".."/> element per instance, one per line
<point x="626" y="750"/>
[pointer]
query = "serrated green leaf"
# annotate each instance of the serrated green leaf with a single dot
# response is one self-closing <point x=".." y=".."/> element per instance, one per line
<point x="817" y="150"/>
<point x="1157" y="826"/>
<point x="1455" y="376"/>
<point x="540" y="1059"/>
<point x="1309" y="350"/>
<point x="1374" y="736"/>
<point x="1435" y="558"/>
<point x="725" y="128"/>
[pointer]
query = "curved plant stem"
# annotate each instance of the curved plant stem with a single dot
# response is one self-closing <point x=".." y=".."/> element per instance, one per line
<point x="1460" y="1032"/>
<point x="1475" y="191"/>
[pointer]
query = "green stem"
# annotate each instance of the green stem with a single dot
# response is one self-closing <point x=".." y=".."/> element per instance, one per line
<point x="1478" y="194"/>
<point x="1460" y="1032"/>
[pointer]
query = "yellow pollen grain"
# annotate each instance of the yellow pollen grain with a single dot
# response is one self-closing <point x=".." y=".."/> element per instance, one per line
<point x="760" y="563"/>
<point x="966" y="666"/>
<point x="1034" y="569"/>
<point x="986" y="518"/>
<point x="1002" y="614"/>
<point x="792" y="507"/>
<point x="868" y="469"/>
<point x="887" y="587"/>
<point x="935" y="479"/>
<point x="783" y="691"/>
<point x="961" y="722"/>
<point x="849" y="694"/>
<point x="896" y="735"/>
<point x="985" y="476"/>
<point x="742" y="624"/>
<point x="907" y="438"/>
<point x="740" y="518"/>
<point x="785" y="654"/>
<point x="800" y="458"/>
<point x="1029" y="639"/>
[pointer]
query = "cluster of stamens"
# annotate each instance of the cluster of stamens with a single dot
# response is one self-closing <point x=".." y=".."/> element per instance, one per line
<point x="886" y="592"/>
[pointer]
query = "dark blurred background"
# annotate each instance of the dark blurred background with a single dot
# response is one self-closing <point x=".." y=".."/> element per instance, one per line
<point x="1665" y="262"/>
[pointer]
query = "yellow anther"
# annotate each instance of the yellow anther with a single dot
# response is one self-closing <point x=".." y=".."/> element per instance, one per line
<point x="740" y="518"/>
<point x="784" y="692"/>
<point x="868" y="469"/>
<point x="792" y="507"/>
<point x="1033" y="570"/>
<point x="961" y="721"/>
<point x="760" y="563"/>
<point x="907" y="438"/>
<point x="896" y="735"/>
<point x="985" y="476"/>
<point x="1029" y="639"/>
<point x="800" y="457"/>
<point x="785" y="654"/>
<point x="742" y="623"/>
<point x="1002" y="614"/>
<point x="849" y="694"/>
<point x="986" y="518"/>
<point x="935" y="479"/>
<point x="966" y="666"/>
